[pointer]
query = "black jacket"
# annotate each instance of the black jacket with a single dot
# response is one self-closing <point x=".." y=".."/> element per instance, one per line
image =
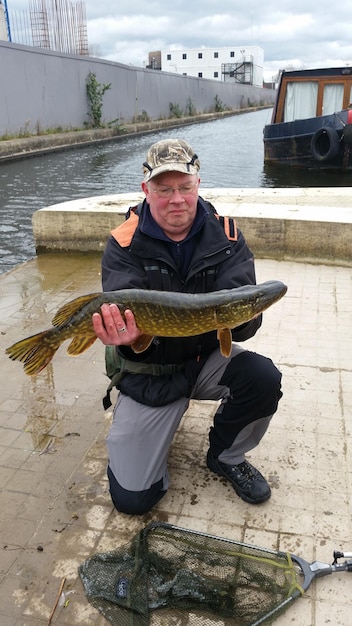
<point x="139" y="255"/>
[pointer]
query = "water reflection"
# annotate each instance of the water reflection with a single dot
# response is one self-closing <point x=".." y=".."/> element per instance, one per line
<point x="42" y="410"/>
<point x="52" y="266"/>
<point x="29" y="299"/>
<point x="285" y="176"/>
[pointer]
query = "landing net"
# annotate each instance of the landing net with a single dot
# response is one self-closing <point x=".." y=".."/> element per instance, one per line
<point x="170" y="576"/>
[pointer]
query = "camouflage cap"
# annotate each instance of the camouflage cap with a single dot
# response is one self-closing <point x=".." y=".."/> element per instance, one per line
<point x="170" y="155"/>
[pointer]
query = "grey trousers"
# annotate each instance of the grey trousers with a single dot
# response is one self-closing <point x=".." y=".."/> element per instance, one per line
<point x="140" y="436"/>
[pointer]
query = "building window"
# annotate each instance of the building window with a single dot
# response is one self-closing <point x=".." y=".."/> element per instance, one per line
<point x="232" y="54"/>
<point x="169" y="57"/>
<point x="184" y="56"/>
<point x="216" y="74"/>
<point x="200" y="74"/>
<point x="216" y="55"/>
<point x="200" y="55"/>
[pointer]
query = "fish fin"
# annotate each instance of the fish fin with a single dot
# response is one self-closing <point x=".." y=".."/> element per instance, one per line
<point x="34" y="352"/>
<point x="225" y="339"/>
<point x="142" y="343"/>
<point x="80" y="344"/>
<point x="64" y="314"/>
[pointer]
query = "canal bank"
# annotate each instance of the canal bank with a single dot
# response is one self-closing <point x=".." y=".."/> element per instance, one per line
<point x="25" y="147"/>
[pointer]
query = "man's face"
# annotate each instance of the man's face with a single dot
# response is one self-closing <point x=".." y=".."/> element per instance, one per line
<point x="172" y="198"/>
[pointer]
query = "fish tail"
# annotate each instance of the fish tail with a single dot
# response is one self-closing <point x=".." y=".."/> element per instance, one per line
<point x="36" y="351"/>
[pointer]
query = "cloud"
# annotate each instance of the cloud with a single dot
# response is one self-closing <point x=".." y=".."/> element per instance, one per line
<point x="296" y="34"/>
<point x="130" y="27"/>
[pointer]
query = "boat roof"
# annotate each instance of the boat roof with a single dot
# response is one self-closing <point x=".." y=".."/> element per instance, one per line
<point x="325" y="71"/>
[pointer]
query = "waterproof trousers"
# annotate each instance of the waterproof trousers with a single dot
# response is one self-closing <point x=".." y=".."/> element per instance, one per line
<point x="249" y="388"/>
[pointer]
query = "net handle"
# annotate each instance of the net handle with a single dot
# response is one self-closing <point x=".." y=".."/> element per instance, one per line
<point x="317" y="569"/>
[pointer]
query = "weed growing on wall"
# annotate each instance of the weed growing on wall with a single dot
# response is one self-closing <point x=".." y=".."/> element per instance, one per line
<point x="95" y="93"/>
<point x="141" y="117"/>
<point x="190" y="108"/>
<point x="219" y="105"/>
<point x="175" y="110"/>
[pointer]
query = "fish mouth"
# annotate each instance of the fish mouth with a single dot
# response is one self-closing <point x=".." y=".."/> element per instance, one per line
<point x="270" y="292"/>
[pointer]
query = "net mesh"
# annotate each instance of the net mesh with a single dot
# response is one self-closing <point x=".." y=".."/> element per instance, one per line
<point x="176" y="577"/>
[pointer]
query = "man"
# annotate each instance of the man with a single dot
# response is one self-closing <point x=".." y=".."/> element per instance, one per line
<point x="175" y="241"/>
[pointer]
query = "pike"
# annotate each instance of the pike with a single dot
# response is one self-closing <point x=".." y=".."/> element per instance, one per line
<point x="157" y="313"/>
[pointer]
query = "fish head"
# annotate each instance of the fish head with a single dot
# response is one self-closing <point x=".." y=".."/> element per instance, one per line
<point x="248" y="302"/>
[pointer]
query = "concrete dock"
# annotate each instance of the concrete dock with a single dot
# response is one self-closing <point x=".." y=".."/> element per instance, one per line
<point x="305" y="224"/>
<point x="55" y="507"/>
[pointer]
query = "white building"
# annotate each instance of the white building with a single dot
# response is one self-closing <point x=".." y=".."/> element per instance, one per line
<point x="241" y="65"/>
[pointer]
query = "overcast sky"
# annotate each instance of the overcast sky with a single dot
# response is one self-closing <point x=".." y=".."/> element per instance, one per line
<point x="292" y="33"/>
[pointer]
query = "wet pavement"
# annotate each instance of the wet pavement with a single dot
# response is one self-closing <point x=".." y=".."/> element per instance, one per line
<point x="55" y="509"/>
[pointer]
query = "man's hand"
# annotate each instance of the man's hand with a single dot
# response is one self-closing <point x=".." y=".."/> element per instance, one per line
<point x="113" y="329"/>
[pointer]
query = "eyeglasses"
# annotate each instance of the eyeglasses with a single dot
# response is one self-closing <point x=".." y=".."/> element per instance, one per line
<point x="167" y="192"/>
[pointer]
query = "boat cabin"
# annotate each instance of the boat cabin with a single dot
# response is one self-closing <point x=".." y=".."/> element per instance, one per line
<point x="305" y="94"/>
<point x="311" y="125"/>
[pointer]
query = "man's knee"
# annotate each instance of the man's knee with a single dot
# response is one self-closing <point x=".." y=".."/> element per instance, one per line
<point x="254" y="377"/>
<point x="134" y="502"/>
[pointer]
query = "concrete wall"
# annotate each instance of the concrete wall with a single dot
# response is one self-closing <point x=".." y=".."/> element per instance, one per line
<point x="289" y="224"/>
<point x="41" y="89"/>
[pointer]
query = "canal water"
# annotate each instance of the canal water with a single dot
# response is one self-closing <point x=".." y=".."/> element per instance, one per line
<point x="230" y="151"/>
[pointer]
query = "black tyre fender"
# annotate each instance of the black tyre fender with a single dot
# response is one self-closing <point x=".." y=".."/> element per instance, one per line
<point x="325" y="144"/>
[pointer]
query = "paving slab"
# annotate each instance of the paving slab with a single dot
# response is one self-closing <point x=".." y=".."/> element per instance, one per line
<point x="55" y="509"/>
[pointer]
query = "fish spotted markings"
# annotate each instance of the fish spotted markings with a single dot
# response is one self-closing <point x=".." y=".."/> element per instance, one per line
<point x="157" y="313"/>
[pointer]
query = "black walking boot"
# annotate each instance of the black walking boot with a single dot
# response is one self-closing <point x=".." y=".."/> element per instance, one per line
<point x="246" y="480"/>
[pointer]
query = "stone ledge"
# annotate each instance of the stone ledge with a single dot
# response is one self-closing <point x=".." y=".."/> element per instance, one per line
<point x="289" y="224"/>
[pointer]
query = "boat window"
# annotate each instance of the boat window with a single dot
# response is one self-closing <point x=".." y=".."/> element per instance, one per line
<point x="301" y="100"/>
<point x="332" y="99"/>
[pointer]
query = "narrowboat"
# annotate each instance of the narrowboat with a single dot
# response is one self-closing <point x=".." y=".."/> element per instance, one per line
<point x="311" y="124"/>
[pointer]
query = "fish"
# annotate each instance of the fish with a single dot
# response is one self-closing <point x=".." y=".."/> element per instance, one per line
<point x="157" y="314"/>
